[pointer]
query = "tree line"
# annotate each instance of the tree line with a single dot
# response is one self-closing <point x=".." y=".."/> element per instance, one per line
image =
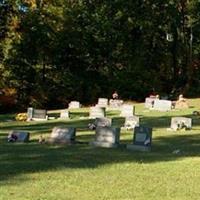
<point x="54" y="51"/>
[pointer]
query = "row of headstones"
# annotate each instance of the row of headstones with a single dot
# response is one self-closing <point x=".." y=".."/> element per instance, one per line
<point x="95" y="112"/>
<point x="104" y="137"/>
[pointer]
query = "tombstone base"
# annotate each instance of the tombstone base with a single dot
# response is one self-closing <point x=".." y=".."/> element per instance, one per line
<point x="57" y="141"/>
<point x="103" y="144"/>
<point x="138" y="147"/>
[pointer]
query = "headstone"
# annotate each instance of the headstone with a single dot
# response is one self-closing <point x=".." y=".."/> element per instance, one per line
<point x="178" y="123"/>
<point x="102" y="102"/>
<point x="64" y="114"/>
<point x="63" y="135"/>
<point x="74" y="104"/>
<point x="106" y="137"/>
<point x="131" y="122"/>
<point x="127" y="110"/>
<point x="142" y="139"/>
<point x="115" y="103"/>
<point x="162" y="105"/>
<point x="36" y="114"/>
<point x="149" y="102"/>
<point x="103" y="122"/>
<point x="96" y="112"/>
<point x="18" y="136"/>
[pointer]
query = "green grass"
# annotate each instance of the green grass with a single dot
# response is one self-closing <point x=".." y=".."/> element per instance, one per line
<point x="49" y="172"/>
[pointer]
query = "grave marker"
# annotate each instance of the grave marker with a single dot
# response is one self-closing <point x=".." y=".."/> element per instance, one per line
<point x="162" y="105"/>
<point x="106" y="137"/>
<point x="142" y="139"/>
<point x="103" y="122"/>
<point x="131" y="122"/>
<point x="63" y="135"/>
<point x="37" y="114"/>
<point x="102" y="102"/>
<point x="178" y="123"/>
<point x="127" y="110"/>
<point x="18" y="136"/>
<point x="74" y="105"/>
<point x="97" y="112"/>
<point x="64" y="114"/>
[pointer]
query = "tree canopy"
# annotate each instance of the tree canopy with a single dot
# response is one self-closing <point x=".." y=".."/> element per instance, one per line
<point x="53" y="51"/>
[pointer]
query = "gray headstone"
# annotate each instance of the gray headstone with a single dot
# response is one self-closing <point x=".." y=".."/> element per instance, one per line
<point x="142" y="139"/>
<point x="36" y="114"/>
<point x="106" y="137"/>
<point x="149" y="102"/>
<point x="63" y="135"/>
<point x="131" y="122"/>
<point x="74" y="104"/>
<point x="162" y="105"/>
<point x="127" y="110"/>
<point x="21" y="136"/>
<point x="102" y="102"/>
<point x="178" y="123"/>
<point x="103" y="122"/>
<point x="96" y="112"/>
<point x="64" y="114"/>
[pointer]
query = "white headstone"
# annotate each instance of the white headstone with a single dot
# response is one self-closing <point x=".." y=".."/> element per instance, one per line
<point x="127" y="110"/>
<point x="74" y="104"/>
<point x="178" y="123"/>
<point x="162" y="105"/>
<point x="96" y="112"/>
<point x="131" y="122"/>
<point x="149" y="102"/>
<point x="37" y="114"/>
<point x="64" y="114"/>
<point x="102" y="102"/>
<point x="115" y="103"/>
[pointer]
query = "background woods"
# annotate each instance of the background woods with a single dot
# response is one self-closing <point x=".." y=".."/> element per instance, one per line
<point x="54" y="51"/>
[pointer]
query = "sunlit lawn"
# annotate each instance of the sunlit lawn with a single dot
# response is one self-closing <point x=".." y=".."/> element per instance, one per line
<point x="39" y="172"/>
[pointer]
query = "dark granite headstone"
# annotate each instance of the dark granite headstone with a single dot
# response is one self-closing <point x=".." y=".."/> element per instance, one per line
<point x="106" y="137"/>
<point x="142" y="139"/>
<point x="18" y="136"/>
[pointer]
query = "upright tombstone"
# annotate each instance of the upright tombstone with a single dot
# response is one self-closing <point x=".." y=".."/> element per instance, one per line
<point x="102" y="102"/>
<point x="36" y="114"/>
<point x="64" y="114"/>
<point x="162" y="105"/>
<point x="142" y="139"/>
<point x="131" y="122"/>
<point x="178" y="123"/>
<point x="102" y="122"/>
<point x="18" y="136"/>
<point x="149" y="102"/>
<point x="97" y="112"/>
<point x="115" y="103"/>
<point x="63" y="135"/>
<point x="106" y="137"/>
<point x="127" y="110"/>
<point x="74" y="104"/>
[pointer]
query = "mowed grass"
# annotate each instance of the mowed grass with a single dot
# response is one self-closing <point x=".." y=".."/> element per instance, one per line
<point x="48" y="172"/>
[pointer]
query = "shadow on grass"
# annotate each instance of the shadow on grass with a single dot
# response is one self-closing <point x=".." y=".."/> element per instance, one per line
<point x="20" y="158"/>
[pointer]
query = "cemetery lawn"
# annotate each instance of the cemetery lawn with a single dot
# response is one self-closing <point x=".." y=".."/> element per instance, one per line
<point x="48" y="172"/>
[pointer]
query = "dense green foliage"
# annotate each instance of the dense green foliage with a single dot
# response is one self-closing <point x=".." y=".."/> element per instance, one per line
<point x="53" y="51"/>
